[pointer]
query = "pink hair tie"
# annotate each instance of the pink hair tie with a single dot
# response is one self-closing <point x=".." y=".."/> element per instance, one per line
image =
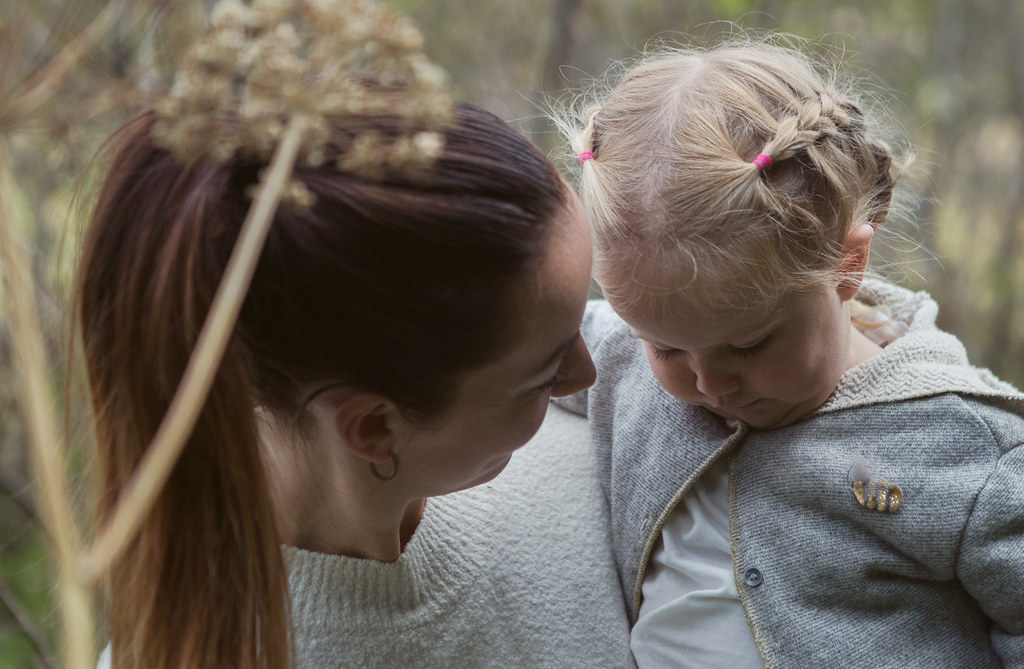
<point x="584" y="156"/>
<point x="763" y="161"/>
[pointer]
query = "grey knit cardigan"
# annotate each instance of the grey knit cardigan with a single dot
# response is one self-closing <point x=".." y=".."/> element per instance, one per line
<point x="824" y="580"/>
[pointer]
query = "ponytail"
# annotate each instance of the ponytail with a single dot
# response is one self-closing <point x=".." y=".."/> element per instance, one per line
<point x="203" y="583"/>
<point x="338" y="287"/>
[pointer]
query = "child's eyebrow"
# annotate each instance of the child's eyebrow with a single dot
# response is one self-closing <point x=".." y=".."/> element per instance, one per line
<point x="761" y="330"/>
<point x="656" y="344"/>
<point x="771" y="321"/>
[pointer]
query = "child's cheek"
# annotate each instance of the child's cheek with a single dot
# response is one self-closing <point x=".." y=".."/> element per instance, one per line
<point x="675" y="378"/>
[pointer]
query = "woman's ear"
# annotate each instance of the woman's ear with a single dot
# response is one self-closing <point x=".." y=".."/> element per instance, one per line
<point x="855" y="260"/>
<point x="367" y="424"/>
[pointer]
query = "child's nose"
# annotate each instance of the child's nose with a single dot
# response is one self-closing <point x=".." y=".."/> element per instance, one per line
<point x="712" y="378"/>
<point x="580" y="372"/>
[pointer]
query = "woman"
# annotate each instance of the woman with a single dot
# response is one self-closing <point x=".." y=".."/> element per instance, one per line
<point x="400" y="339"/>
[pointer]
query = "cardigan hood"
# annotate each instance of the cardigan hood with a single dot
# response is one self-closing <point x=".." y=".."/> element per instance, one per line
<point x="925" y="361"/>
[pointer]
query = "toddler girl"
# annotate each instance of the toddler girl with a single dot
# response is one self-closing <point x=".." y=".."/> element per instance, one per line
<point x="805" y="471"/>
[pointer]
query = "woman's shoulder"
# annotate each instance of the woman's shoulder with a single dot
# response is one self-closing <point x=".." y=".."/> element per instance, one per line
<point x="556" y="461"/>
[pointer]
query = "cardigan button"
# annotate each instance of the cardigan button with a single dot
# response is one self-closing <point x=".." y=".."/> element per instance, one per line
<point x="752" y="577"/>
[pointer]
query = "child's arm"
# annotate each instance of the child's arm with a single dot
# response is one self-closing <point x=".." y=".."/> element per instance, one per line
<point x="991" y="564"/>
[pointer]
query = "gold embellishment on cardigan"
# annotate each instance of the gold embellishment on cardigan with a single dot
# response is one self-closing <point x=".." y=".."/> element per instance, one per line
<point x="877" y="494"/>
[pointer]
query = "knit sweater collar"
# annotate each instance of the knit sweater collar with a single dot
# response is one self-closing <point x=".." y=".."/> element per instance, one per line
<point x="437" y="564"/>
<point x="924" y="362"/>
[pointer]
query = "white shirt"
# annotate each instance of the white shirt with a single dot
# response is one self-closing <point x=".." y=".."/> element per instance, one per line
<point x="690" y="615"/>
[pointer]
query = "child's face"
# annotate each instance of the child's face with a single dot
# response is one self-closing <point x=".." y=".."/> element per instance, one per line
<point x="768" y="367"/>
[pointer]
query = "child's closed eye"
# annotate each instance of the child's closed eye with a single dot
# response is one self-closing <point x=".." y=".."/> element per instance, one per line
<point x="663" y="353"/>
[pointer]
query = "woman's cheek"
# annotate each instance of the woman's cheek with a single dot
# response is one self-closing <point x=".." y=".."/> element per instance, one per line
<point x="529" y="421"/>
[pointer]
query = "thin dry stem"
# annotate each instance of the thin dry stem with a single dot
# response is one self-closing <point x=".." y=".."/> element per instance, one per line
<point x="48" y="460"/>
<point x="28" y="627"/>
<point x="163" y="451"/>
<point x="40" y="88"/>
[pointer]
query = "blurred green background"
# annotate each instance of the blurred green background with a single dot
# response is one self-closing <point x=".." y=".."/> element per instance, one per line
<point x="954" y="71"/>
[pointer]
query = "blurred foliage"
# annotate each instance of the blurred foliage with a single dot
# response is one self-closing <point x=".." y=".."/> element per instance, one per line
<point x="954" y="70"/>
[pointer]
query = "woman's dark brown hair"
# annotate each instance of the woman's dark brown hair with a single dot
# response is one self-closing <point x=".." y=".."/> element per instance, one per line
<point x="395" y="285"/>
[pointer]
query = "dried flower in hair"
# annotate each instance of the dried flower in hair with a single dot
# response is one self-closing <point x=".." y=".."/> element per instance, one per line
<point x="295" y="194"/>
<point x="336" y="62"/>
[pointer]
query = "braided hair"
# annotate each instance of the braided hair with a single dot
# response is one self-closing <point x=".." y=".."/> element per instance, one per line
<point x="733" y="173"/>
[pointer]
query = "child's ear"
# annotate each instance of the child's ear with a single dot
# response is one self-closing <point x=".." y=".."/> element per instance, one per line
<point x="367" y="424"/>
<point x="855" y="260"/>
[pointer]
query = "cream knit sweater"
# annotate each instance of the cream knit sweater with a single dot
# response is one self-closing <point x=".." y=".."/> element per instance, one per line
<point x="517" y="572"/>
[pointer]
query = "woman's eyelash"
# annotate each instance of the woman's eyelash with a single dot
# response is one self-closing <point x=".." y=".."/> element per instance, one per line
<point x="554" y="380"/>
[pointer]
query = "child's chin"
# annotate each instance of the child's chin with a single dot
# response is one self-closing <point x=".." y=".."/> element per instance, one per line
<point x="760" y="417"/>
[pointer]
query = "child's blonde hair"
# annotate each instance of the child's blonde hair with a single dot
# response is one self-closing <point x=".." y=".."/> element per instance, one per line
<point x="681" y="199"/>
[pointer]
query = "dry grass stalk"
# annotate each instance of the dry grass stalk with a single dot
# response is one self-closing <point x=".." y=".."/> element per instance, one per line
<point x="162" y="454"/>
<point x="39" y="88"/>
<point x="27" y="625"/>
<point x="74" y="601"/>
<point x="20" y="100"/>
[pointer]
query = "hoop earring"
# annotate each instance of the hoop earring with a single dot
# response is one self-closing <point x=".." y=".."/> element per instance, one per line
<point x="394" y="468"/>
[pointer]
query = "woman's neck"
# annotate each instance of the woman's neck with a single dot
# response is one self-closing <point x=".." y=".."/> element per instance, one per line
<point x="324" y="502"/>
<point x="349" y="531"/>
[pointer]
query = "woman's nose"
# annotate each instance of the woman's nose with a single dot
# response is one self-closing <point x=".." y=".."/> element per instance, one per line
<point x="579" y="371"/>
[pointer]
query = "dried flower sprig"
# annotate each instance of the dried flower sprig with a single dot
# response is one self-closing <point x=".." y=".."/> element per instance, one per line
<point x="333" y="61"/>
